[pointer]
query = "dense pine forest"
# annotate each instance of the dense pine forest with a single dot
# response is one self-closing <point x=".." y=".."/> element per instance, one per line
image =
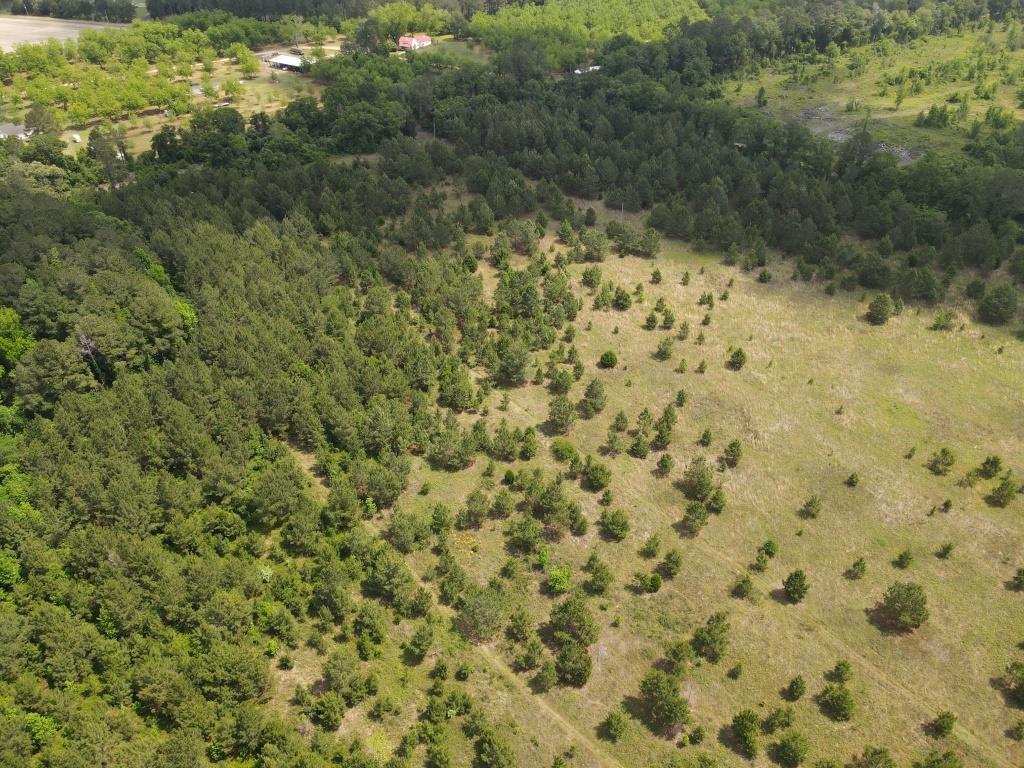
<point x="354" y="434"/>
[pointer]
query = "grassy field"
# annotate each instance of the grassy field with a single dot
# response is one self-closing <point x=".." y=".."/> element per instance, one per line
<point x="15" y="30"/>
<point x="863" y="84"/>
<point x="824" y="394"/>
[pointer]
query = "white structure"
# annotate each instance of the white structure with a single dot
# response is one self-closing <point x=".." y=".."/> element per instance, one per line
<point x="413" y="42"/>
<point x="593" y="68"/>
<point x="286" y="61"/>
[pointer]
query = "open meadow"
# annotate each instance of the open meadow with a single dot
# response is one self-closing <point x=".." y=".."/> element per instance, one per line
<point x="824" y="395"/>
<point x="890" y="84"/>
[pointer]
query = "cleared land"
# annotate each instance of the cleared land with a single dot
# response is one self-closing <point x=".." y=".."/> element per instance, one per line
<point x="823" y="395"/>
<point x="864" y="83"/>
<point x="15" y="30"/>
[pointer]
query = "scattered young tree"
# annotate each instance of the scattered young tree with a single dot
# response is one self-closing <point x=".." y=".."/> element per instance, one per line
<point x="905" y="605"/>
<point x="795" y="586"/>
<point x="664" y="708"/>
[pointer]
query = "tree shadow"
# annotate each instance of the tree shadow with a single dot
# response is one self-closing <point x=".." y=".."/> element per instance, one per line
<point x="683" y="529"/>
<point x="882" y="620"/>
<point x="779" y="596"/>
<point x="1000" y="685"/>
<point x="727" y="738"/>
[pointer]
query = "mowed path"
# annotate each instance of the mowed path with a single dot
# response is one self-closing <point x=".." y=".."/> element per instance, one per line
<point x="15" y="30"/>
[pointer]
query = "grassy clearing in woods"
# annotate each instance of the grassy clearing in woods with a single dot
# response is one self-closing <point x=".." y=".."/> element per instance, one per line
<point x="823" y="395"/>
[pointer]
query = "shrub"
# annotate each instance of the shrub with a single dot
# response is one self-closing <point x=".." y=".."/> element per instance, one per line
<point x="743" y="587"/>
<point x="795" y="586"/>
<point x="614" y="726"/>
<point x="858" y="569"/>
<point x="999" y="305"/>
<point x="608" y="360"/>
<point x="811" y="508"/>
<point x="732" y="454"/>
<point x="695" y="519"/>
<point x="648" y="582"/>
<point x="573" y="665"/>
<point x="905" y="605"/>
<point x="904" y="559"/>
<point x="710" y="641"/>
<point x="559" y="580"/>
<point x="836" y="701"/>
<point x="663" y="706"/>
<point x="698" y="479"/>
<point x="795" y="689"/>
<point x="841" y="672"/>
<point x="679" y="655"/>
<point x="791" y="750"/>
<point x="1004" y="492"/>
<point x="746" y="728"/>
<point x="672" y="564"/>
<point x="563" y="450"/>
<point x="943" y="723"/>
<point x="561" y="414"/>
<point x="614" y="524"/>
<point x="880" y="309"/>
<point x="778" y="718"/>
<point x="737" y="359"/>
<point x="664" y="350"/>
<point x="942" y="461"/>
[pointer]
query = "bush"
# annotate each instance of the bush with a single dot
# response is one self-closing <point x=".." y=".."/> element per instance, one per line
<point x="561" y="414"/>
<point x="559" y="580"/>
<point x="664" y="707"/>
<point x="710" y="641"/>
<point x="791" y="750"/>
<point x="671" y="564"/>
<point x="573" y="665"/>
<point x="746" y="727"/>
<point x="836" y="701"/>
<point x="737" y="359"/>
<point x="811" y="508"/>
<point x="614" y="726"/>
<point x="743" y="587"/>
<point x="880" y="309"/>
<point x="614" y="524"/>
<point x="858" y="569"/>
<point x="648" y="582"/>
<point x="795" y="689"/>
<point x="779" y="718"/>
<point x="1004" y="492"/>
<point x="732" y="454"/>
<point x="695" y="519"/>
<point x="942" y="461"/>
<point x="795" y="586"/>
<point x="905" y="605"/>
<point x="608" y="360"/>
<point x="698" y="479"/>
<point x="943" y="723"/>
<point x="999" y="305"/>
